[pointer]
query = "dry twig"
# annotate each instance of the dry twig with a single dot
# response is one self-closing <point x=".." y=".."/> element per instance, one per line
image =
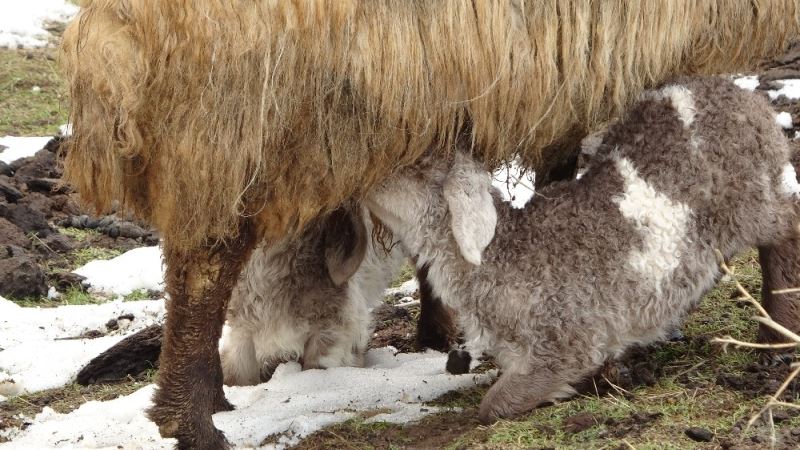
<point x="764" y="318"/>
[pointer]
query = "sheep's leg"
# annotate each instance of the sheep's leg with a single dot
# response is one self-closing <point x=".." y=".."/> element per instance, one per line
<point x="199" y="282"/>
<point x="780" y="267"/>
<point x="515" y="393"/>
<point x="435" y="329"/>
<point x="239" y="363"/>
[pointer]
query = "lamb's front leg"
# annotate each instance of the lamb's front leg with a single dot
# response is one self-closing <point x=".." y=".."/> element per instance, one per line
<point x="199" y="282"/>
<point x="436" y="328"/>
<point x="780" y="268"/>
<point x="514" y="394"/>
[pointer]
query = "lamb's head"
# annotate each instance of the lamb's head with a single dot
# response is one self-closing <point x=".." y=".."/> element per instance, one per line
<point x="434" y="193"/>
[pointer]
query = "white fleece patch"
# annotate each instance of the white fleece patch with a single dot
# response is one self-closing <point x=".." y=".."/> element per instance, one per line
<point x="681" y="99"/>
<point x="789" y="180"/>
<point x="683" y="102"/>
<point x="660" y="222"/>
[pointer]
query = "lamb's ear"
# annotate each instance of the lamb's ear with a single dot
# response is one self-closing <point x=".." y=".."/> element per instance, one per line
<point x="345" y="242"/>
<point x="472" y="212"/>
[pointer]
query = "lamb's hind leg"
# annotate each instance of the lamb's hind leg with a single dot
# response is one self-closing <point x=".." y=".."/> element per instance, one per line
<point x="515" y="393"/>
<point x="780" y="267"/>
<point x="199" y="282"/>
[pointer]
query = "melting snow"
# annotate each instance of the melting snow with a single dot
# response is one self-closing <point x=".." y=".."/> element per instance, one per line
<point x="749" y="82"/>
<point x="22" y="22"/>
<point x="38" y="346"/>
<point x="404" y="290"/>
<point x="789" y="89"/>
<point x="139" y="268"/>
<point x="20" y="147"/>
<point x="293" y="404"/>
<point x="784" y="119"/>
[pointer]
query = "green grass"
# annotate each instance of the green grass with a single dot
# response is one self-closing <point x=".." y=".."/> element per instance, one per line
<point x="24" y="112"/>
<point x="84" y="255"/>
<point x="406" y="273"/>
<point x="73" y="296"/>
<point x="79" y="234"/>
<point x="137" y="295"/>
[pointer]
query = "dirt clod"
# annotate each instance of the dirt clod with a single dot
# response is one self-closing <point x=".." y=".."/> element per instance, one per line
<point x="580" y="422"/>
<point x="699" y="434"/>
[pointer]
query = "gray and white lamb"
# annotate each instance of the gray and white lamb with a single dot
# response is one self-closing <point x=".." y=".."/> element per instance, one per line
<point x="594" y="265"/>
<point x="309" y="299"/>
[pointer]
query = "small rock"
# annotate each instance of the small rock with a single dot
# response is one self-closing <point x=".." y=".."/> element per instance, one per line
<point x="47" y="185"/>
<point x="67" y="280"/>
<point x="43" y="164"/>
<point x="580" y="422"/>
<point x="10" y="234"/>
<point x="57" y="243"/>
<point x="127" y="316"/>
<point x="780" y="415"/>
<point x="112" y="325"/>
<point x="54" y="145"/>
<point x="92" y="334"/>
<point x="5" y="169"/>
<point x="458" y="362"/>
<point x="8" y="191"/>
<point x="27" y="219"/>
<point x="795" y="431"/>
<point x="699" y="434"/>
<point x="676" y="335"/>
<point x="20" y="276"/>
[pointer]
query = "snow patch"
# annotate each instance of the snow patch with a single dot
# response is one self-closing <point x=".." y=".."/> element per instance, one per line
<point x="789" y="89"/>
<point x="789" y="180"/>
<point x="406" y="289"/>
<point x="41" y="348"/>
<point x="784" y="119"/>
<point x="20" y="147"/>
<point x="749" y="82"/>
<point x="293" y="404"/>
<point x="22" y="23"/>
<point x="139" y="268"/>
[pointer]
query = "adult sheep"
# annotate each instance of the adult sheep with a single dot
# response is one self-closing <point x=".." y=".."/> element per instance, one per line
<point x="227" y="122"/>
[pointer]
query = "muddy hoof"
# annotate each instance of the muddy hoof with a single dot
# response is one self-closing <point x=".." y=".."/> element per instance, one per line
<point x="191" y="430"/>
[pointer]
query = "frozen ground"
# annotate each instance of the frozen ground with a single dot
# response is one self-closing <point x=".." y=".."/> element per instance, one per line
<point x="42" y="348"/>
<point x="275" y="414"/>
<point x="23" y="22"/>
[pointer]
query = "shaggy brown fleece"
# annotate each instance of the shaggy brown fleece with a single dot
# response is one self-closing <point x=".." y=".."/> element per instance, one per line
<point x="192" y="113"/>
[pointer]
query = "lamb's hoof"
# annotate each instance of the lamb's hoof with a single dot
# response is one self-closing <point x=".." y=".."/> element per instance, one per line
<point x="487" y="415"/>
<point x="772" y="358"/>
<point x="458" y="362"/>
